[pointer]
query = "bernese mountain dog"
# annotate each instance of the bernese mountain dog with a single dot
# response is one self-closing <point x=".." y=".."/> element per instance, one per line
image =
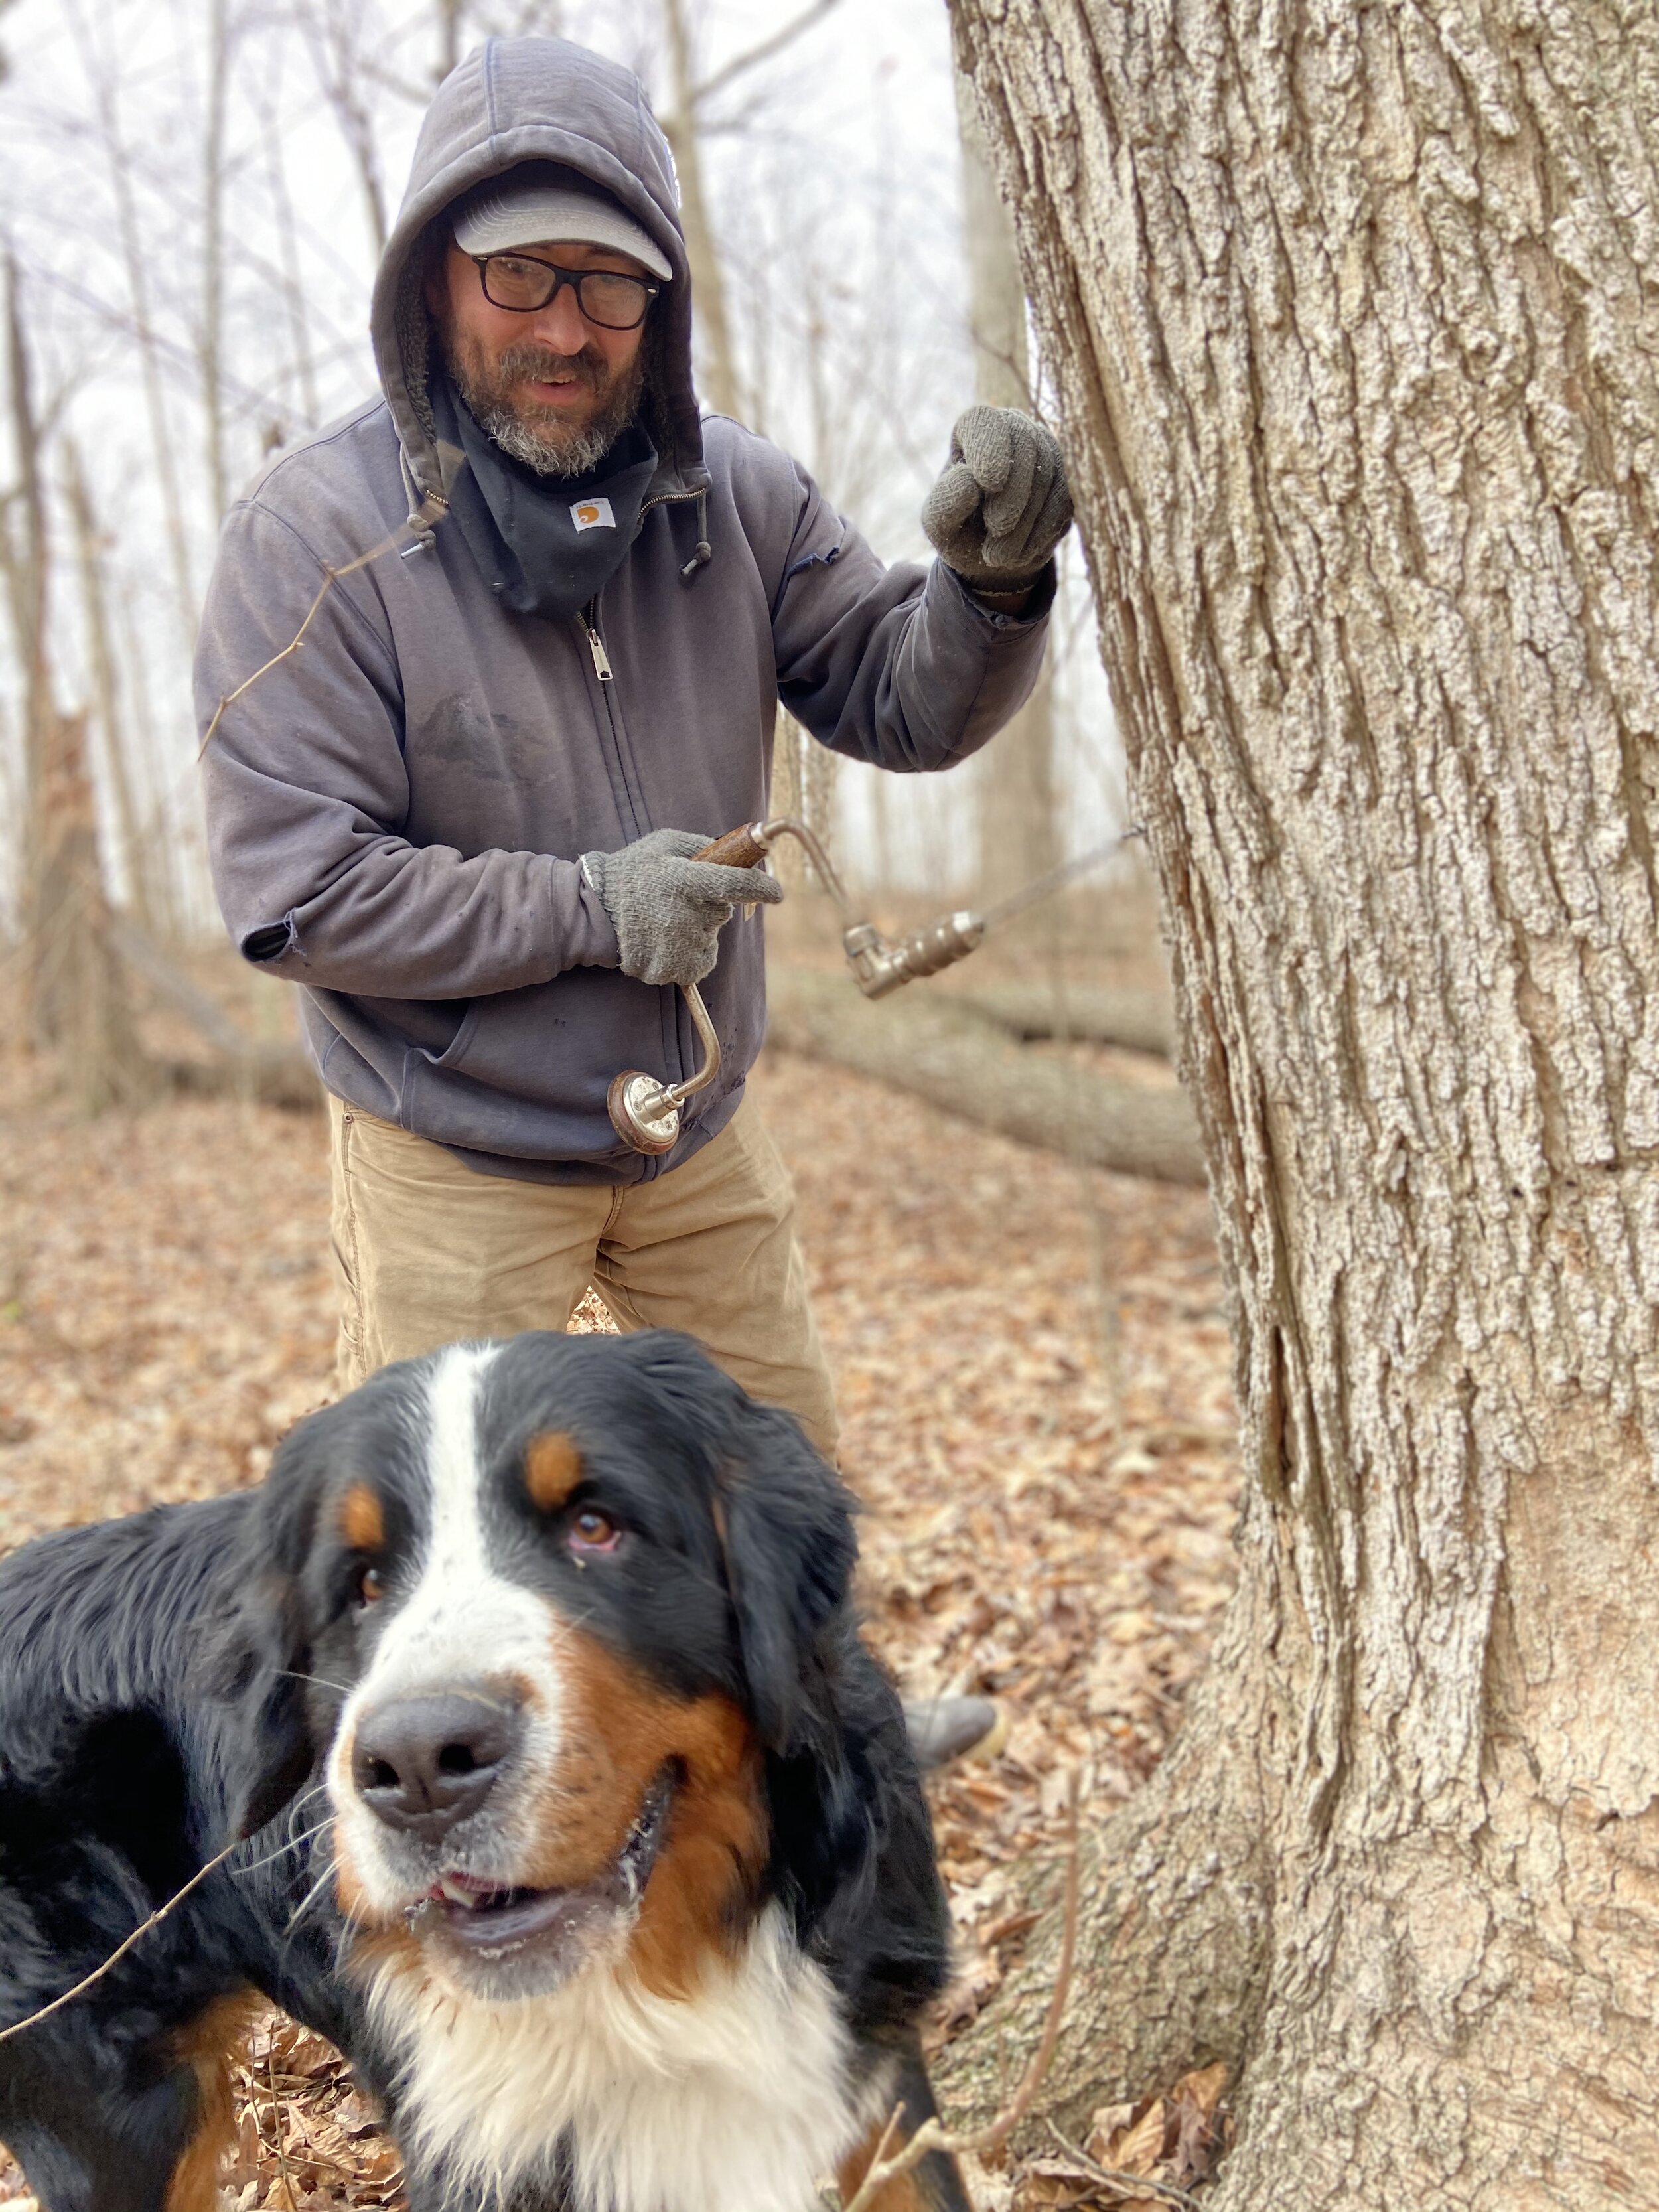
<point x="574" y="1810"/>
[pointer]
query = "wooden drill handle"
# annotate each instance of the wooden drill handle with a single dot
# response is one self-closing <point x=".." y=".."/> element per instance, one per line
<point x="737" y="848"/>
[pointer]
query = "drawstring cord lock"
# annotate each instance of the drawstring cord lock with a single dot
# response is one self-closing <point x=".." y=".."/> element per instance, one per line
<point x="703" y="552"/>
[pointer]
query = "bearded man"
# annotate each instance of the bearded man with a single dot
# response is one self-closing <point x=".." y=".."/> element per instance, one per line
<point x="460" y="815"/>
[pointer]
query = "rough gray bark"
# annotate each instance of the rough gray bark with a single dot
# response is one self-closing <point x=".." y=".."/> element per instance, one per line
<point x="918" y="1043"/>
<point x="1353" y="317"/>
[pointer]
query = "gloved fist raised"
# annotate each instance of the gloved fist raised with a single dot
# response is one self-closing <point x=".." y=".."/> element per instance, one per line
<point x="1003" y="504"/>
<point x="668" y="909"/>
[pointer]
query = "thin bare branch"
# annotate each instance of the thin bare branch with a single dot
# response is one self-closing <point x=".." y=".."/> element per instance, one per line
<point x="121" y="1949"/>
<point x="330" y="577"/>
<point x="796" y="27"/>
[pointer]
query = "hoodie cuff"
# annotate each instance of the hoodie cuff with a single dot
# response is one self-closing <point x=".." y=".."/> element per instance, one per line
<point x="1043" y="586"/>
<point x="598" y="945"/>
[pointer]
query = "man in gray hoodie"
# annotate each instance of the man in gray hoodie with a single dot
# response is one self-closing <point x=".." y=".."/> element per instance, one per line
<point x="461" y="812"/>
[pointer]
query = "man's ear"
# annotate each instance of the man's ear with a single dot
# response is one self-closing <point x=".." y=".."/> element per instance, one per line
<point x="785" y="1522"/>
<point x="254" y="1668"/>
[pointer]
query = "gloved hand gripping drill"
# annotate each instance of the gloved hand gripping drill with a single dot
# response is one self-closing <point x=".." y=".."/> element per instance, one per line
<point x="667" y="907"/>
<point x="669" y="894"/>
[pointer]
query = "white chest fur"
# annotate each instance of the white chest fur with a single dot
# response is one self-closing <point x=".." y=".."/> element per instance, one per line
<point x="739" y="2097"/>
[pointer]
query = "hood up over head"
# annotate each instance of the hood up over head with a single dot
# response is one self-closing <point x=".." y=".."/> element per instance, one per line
<point x="514" y="101"/>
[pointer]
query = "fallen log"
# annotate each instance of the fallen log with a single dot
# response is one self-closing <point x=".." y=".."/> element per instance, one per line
<point x="1098" y="1013"/>
<point x="921" y="1043"/>
<point x="266" y="1070"/>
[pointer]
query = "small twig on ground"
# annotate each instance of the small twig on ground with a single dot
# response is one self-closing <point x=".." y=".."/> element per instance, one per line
<point x="930" y="2135"/>
<point x="1128" y="2184"/>
<point x="121" y="1949"/>
<point x="276" y="2135"/>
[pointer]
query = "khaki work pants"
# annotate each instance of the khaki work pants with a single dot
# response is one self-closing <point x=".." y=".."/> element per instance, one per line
<point x="428" y="1252"/>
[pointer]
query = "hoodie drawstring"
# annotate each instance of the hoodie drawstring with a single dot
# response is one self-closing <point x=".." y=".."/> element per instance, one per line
<point x="703" y="553"/>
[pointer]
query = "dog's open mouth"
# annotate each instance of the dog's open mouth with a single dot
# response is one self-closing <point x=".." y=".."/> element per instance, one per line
<point x="549" y="1932"/>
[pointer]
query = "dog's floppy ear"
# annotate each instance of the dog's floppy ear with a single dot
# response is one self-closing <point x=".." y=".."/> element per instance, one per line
<point x="786" y="1525"/>
<point x="254" y="1667"/>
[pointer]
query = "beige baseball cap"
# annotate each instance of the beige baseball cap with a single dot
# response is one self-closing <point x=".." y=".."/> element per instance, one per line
<point x="553" y="215"/>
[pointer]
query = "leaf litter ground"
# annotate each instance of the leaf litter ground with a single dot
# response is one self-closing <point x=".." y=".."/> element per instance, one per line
<point x="1033" y="1364"/>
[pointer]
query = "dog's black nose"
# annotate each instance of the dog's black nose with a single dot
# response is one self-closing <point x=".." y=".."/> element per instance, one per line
<point x="426" y="1764"/>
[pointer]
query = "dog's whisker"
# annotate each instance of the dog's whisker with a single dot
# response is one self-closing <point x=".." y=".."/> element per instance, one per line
<point x="312" y="1894"/>
<point x="288" y="1844"/>
<point x="322" y="1681"/>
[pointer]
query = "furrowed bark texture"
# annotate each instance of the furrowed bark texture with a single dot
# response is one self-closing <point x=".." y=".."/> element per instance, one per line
<point x="1352" y="311"/>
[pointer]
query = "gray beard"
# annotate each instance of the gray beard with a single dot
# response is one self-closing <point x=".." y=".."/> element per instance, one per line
<point x="575" y="457"/>
<point x="553" y="451"/>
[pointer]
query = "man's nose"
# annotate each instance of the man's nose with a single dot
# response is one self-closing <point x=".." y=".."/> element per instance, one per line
<point x="560" y="325"/>
<point x="423" y="1764"/>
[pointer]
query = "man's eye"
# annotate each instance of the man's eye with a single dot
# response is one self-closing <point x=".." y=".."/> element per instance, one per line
<point x="594" y="1531"/>
<point x="371" y="1586"/>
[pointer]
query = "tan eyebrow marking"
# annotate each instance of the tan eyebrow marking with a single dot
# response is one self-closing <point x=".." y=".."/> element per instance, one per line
<point x="363" y="1520"/>
<point x="552" y="1469"/>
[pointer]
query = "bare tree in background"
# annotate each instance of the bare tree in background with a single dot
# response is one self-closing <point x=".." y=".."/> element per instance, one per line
<point x="145" y="863"/>
<point x="1017" y="839"/>
<point x="119" y="160"/>
<point x="685" y="121"/>
<point x="212" y="249"/>
<point x="335" y="31"/>
<point x="1352" y="319"/>
<point x="76" y="998"/>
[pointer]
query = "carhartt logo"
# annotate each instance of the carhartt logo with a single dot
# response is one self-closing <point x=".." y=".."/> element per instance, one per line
<point x="592" y="514"/>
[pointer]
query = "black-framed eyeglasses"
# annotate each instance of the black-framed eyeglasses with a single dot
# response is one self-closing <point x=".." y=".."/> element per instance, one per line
<point x="523" y="285"/>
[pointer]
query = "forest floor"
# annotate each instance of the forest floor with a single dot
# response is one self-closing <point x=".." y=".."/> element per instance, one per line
<point x="1033" y="1364"/>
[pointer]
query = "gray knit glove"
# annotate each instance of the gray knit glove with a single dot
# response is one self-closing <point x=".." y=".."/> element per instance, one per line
<point x="668" y="909"/>
<point x="1003" y="504"/>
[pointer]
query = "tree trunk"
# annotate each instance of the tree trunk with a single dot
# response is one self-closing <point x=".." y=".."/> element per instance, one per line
<point x="89" y="544"/>
<point x="1017" y="836"/>
<point x="1352" y="317"/>
<point x="78" y="1003"/>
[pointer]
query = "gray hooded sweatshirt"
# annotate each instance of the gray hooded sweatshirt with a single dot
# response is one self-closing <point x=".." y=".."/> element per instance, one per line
<point x="396" y="810"/>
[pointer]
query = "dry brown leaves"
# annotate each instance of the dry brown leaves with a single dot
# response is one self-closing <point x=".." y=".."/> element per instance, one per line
<point x="1034" y="1370"/>
<point x="1156" y="2152"/>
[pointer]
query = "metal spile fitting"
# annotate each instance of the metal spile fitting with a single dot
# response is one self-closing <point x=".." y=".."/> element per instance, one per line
<point x="879" y="967"/>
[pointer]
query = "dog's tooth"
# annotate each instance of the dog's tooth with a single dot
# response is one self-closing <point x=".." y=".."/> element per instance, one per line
<point x="457" y="1892"/>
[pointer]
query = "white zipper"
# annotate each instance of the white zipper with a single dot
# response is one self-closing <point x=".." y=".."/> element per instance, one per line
<point x="596" y="646"/>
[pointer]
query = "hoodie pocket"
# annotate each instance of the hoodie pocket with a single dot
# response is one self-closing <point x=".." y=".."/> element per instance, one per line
<point x="421" y="1059"/>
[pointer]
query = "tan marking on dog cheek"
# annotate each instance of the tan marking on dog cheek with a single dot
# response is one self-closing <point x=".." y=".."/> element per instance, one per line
<point x="619" y="1730"/>
<point x="206" y="2047"/>
<point x="362" y="1518"/>
<point x="552" y="1469"/>
<point x="615" y="1731"/>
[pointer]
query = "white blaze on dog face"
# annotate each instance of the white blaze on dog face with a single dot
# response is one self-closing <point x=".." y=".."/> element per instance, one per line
<point x="462" y="1622"/>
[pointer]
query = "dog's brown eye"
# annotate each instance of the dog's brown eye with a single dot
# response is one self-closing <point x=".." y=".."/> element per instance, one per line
<point x="594" y="1531"/>
<point x="371" y="1586"/>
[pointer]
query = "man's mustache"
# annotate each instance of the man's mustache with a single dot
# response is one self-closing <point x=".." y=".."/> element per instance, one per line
<point x="544" y="366"/>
